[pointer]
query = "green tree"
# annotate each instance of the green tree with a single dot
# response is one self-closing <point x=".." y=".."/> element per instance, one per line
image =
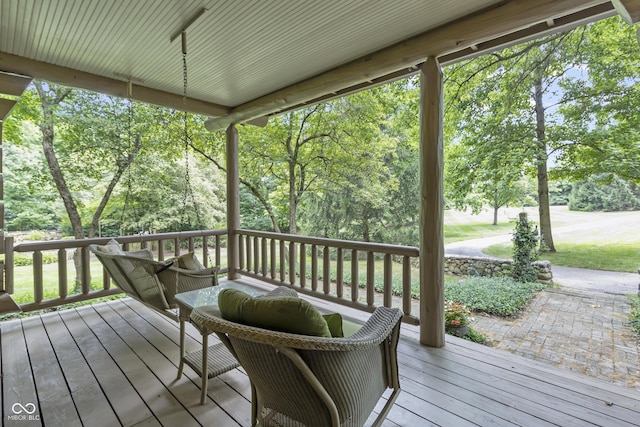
<point x="534" y="91"/>
<point x="31" y="201"/>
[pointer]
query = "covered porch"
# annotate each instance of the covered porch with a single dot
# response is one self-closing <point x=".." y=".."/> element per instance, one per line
<point x="115" y="363"/>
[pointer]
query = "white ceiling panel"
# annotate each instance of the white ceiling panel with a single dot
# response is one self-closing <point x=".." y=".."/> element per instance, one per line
<point x="238" y="50"/>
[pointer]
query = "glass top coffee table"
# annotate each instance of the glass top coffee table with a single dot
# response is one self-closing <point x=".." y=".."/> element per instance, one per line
<point x="213" y="360"/>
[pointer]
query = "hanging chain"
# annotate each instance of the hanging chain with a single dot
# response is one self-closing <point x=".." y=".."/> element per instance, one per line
<point x="129" y="126"/>
<point x="188" y="191"/>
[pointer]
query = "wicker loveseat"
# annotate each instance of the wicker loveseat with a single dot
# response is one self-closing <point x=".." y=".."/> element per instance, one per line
<point x="313" y="381"/>
<point x="154" y="283"/>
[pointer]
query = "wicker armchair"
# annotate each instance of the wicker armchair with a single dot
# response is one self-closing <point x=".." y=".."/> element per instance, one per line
<point x="304" y="380"/>
<point x="154" y="283"/>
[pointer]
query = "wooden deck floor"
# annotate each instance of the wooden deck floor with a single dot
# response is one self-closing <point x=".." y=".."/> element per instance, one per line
<point x="115" y="364"/>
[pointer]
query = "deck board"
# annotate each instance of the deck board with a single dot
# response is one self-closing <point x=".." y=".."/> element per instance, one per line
<point x="118" y="392"/>
<point x="18" y="385"/>
<point x="83" y="385"/>
<point x="115" y="363"/>
<point x="225" y="403"/>
<point x="55" y="402"/>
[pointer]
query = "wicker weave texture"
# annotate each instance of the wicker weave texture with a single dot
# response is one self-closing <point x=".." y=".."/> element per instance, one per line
<point x="353" y="371"/>
<point x="153" y="283"/>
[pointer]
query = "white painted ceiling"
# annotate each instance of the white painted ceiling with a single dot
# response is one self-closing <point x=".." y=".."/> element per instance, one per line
<point x="238" y="50"/>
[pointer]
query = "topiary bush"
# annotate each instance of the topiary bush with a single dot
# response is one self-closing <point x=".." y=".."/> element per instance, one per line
<point x="525" y="240"/>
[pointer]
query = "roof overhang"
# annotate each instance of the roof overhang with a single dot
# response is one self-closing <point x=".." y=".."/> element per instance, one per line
<point x="248" y="59"/>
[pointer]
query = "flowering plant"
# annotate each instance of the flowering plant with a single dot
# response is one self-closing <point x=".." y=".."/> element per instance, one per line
<point x="456" y="314"/>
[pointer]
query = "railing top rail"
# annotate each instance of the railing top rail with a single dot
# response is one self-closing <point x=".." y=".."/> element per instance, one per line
<point x="77" y="243"/>
<point x="411" y="251"/>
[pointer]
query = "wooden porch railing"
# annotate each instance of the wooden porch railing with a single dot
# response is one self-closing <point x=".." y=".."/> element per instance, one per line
<point x="64" y="249"/>
<point x="316" y="266"/>
<point x="356" y="274"/>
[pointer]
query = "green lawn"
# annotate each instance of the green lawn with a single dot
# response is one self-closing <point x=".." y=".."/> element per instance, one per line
<point x="23" y="280"/>
<point x="596" y="240"/>
<point x="612" y="257"/>
<point x="459" y="232"/>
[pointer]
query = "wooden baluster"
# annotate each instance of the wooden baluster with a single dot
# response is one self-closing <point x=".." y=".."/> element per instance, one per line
<point x="273" y="260"/>
<point x="292" y="263"/>
<point x="86" y="270"/>
<point x="217" y="251"/>
<point x="9" y="273"/>
<point x="240" y="252"/>
<point x="192" y="245"/>
<point x="282" y="261"/>
<point x="370" y="277"/>
<point x="38" y="290"/>
<point x="176" y="247"/>
<point x="314" y="267"/>
<point x="354" y="275"/>
<point x="62" y="273"/>
<point x="388" y="280"/>
<point x="249" y="252"/>
<point x="303" y="265"/>
<point x="160" y="250"/>
<point x="256" y="255"/>
<point x="326" y="280"/>
<point x="264" y="257"/>
<point x="205" y="251"/>
<point x="406" y="285"/>
<point x="339" y="272"/>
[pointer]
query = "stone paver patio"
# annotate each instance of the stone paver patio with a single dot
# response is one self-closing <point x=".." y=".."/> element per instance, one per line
<point x="582" y="331"/>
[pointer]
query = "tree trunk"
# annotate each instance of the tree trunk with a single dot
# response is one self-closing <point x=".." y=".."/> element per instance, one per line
<point x="546" y="238"/>
<point x="122" y="167"/>
<point x="495" y="215"/>
<point x="47" y="129"/>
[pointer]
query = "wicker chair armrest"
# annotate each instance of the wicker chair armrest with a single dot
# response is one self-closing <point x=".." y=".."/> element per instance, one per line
<point x="379" y="326"/>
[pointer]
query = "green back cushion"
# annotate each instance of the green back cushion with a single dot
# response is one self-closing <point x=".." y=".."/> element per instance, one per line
<point x="334" y="322"/>
<point x="284" y="313"/>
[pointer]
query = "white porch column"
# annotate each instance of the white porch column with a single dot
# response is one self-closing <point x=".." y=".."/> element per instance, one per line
<point x="233" y="202"/>
<point x="431" y="206"/>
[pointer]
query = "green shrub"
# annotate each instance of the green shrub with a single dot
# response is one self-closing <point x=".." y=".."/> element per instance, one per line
<point x="604" y="193"/>
<point x="22" y="260"/>
<point x="525" y="240"/>
<point x="634" y="315"/>
<point x="501" y="296"/>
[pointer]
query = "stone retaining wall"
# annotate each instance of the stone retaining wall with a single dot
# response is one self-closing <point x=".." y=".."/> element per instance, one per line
<point x="480" y="266"/>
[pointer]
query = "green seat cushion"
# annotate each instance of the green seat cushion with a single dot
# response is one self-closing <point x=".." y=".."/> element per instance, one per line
<point x="350" y="328"/>
<point x="283" y="313"/>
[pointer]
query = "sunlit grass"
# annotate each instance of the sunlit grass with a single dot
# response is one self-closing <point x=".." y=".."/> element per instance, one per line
<point x="459" y="232"/>
<point x="596" y="256"/>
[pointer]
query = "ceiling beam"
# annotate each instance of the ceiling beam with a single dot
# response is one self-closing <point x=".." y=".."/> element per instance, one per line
<point x="79" y="79"/>
<point x="465" y="32"/>
<point x="564" y="23"/>
<point x="11" y="84"/>
<point x="629" y="10"/>
<point x="5" y="107"/>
